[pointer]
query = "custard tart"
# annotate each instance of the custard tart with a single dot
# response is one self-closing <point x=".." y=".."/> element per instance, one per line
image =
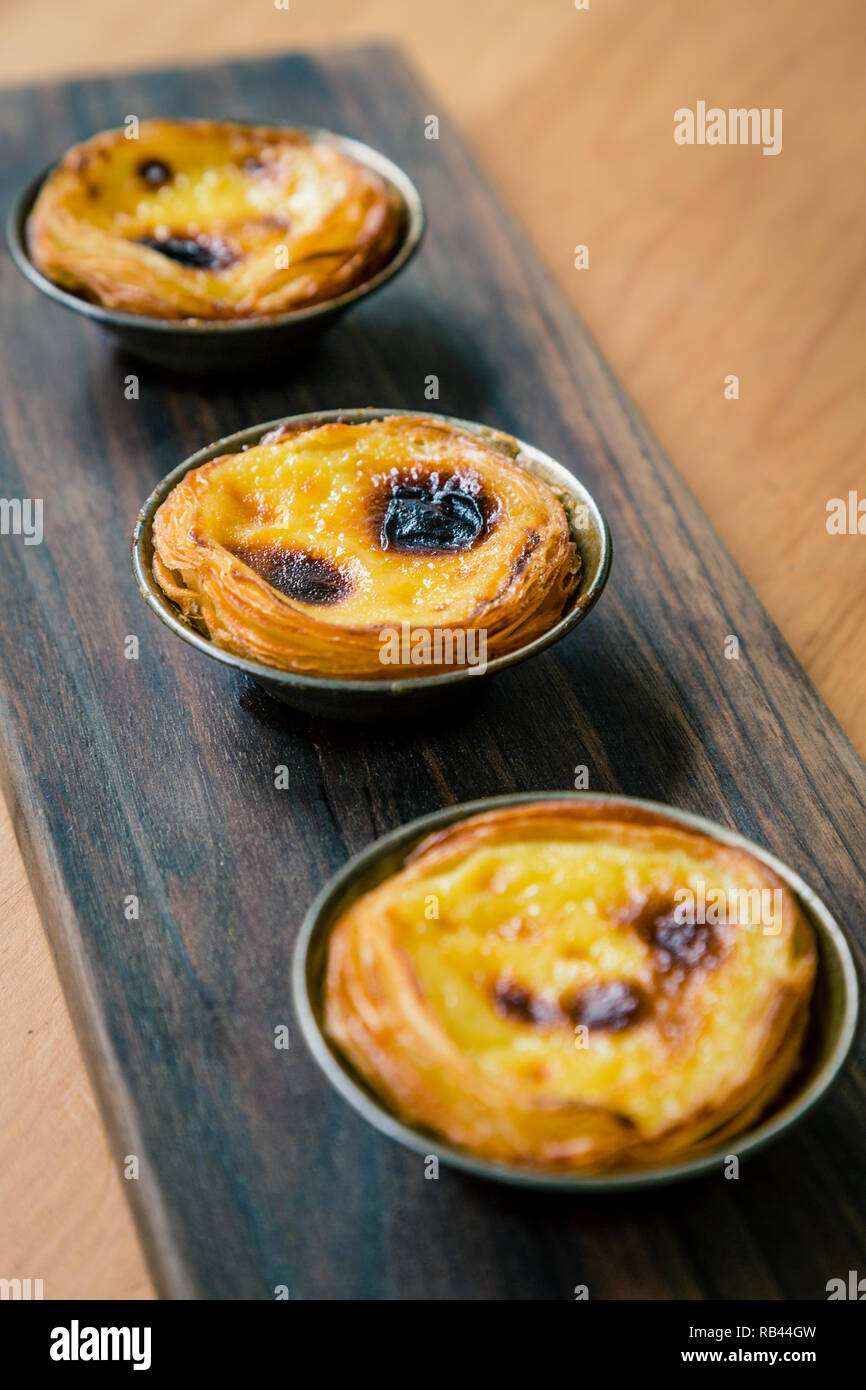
<point x="206" y="220"/>
<point x="573" y="986"/>
<point x="370" y="550"/>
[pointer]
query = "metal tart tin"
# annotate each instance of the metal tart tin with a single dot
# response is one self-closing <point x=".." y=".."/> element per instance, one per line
<point x="831" y="1030"/>
<point x="360" y="700"/>
<point x="199" y="346"/>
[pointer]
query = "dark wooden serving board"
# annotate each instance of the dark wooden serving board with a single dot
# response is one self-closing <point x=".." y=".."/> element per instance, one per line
<point x="155" y="777"/>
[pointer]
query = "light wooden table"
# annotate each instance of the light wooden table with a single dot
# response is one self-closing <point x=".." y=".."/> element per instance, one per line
<point x="703" y="262"/>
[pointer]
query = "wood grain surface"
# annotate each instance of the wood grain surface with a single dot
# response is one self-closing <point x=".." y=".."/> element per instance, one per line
<point x="686" y="289"/>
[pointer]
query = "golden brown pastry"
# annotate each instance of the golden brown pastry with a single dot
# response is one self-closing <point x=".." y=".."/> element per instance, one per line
<point x="207" y="220"/>
<point x="389" y="548"/>
<point x="550" y="985"/>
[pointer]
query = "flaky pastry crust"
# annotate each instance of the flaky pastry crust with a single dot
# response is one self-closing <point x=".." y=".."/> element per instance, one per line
<point x="332" y="549"/>
<point x="206" y="220"/>
<point x="523" y="989"/>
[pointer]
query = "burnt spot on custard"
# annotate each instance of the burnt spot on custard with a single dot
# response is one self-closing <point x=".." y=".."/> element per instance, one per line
<point x="515" y="1002"/>
<point x="417" y="520"/>
<point x="154" y="172"/>
<point x="682" y="946"/>
<point x="197" y="253"/>
<point x="678" y="945"/>
<point x="433" y="513"/>
<point x="299" y="574"/>
<point x="610" y="1005"/>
